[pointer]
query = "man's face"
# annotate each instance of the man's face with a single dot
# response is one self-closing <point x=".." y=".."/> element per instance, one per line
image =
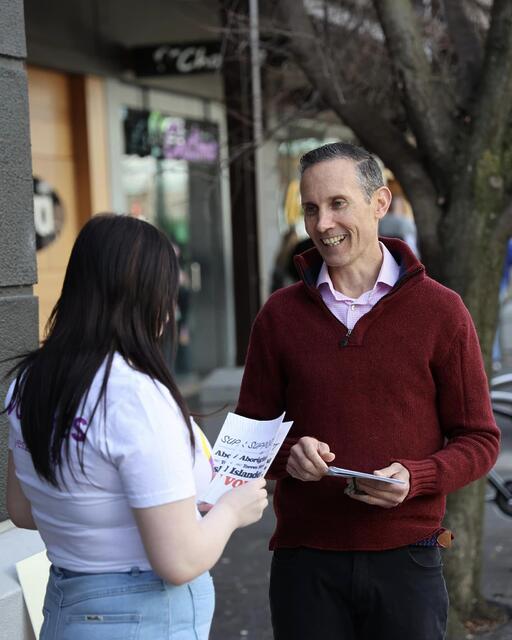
<point x="338" y="217"/>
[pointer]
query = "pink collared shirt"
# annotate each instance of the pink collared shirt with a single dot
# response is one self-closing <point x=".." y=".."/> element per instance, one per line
<point x="349" y="310"/>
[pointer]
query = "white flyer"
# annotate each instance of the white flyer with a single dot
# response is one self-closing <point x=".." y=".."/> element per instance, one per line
<point x="243" y="451"/>
<point x="349" y="473"/>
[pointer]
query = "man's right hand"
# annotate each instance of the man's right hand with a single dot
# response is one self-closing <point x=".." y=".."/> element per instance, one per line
<point x="308" y="458"/>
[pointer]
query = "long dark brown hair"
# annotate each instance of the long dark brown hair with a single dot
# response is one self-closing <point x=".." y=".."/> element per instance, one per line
<point x="119" y="295"/>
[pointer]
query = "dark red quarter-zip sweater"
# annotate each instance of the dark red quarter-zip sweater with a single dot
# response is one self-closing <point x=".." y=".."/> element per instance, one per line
<point x="407" y="385"/>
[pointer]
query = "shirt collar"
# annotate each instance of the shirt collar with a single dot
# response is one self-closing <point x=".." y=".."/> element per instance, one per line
<point x="388" y="274"/>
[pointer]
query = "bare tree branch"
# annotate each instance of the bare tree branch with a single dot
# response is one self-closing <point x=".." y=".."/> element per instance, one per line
<point x="353" y="50"/>
<point x="468" y="46"/>
<point x="494" y="93"/>
<point x="426" y="101"/>
<point x="374" y="131"/>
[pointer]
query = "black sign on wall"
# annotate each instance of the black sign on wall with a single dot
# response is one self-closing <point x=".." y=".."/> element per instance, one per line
<point x="48" y="213"/>
<point x="176" y="59"/>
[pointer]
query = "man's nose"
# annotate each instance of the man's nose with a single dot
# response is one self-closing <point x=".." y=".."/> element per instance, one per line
<point x="325" y="220"/>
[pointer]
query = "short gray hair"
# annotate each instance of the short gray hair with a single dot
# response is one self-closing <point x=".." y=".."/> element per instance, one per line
<point x="367" y="168"/>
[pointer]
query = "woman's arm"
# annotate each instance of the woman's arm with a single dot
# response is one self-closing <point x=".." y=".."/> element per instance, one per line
<point x="180" y="547"/>
<point x="18" y="507"/>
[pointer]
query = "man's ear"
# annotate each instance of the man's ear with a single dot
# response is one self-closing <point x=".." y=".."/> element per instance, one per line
<point x="383" y="199"/>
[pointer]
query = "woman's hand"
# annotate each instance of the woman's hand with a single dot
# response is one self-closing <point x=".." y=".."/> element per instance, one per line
<point x="247" y="502"/>
<point x="180" y="546"/>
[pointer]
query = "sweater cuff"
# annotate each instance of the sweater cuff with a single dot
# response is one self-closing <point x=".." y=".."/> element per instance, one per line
<point x="423" y="477"/>
<point x="277" y="469"/>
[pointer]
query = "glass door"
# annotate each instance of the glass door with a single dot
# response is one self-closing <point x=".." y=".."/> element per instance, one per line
<point x="169" y="170"/>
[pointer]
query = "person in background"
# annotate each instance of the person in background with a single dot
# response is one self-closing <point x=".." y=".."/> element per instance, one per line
<point x="504" y="294"/>
<point x="300" y="247"/>
<point x="284" y="272"/>
<point x="399" y="223"/>
<point x="104" y="458"/>
<point x="182" y="359"/>
<point x="280" y="274"/>
<point x="380" y="369"/>
<point x="507" y="269"/>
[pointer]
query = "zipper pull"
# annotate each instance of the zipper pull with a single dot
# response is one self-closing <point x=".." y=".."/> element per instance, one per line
<point x="344" y="341"/>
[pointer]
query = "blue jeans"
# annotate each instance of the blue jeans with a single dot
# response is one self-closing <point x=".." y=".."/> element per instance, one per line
<point x="137" y="605"/>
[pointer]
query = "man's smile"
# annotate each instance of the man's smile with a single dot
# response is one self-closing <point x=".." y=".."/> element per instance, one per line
<point x="333" y="241"/>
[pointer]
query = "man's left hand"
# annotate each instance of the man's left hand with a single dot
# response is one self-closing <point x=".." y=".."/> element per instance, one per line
<point x="383" y="494"/>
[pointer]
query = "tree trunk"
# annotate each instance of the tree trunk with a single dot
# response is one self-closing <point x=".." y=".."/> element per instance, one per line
<point x="472" y="267"/>
<point x="462" y="563"/>
<point x="454" y="174"/>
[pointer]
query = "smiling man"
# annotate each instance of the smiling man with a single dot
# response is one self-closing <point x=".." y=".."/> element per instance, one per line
<point x="380" y="369"/>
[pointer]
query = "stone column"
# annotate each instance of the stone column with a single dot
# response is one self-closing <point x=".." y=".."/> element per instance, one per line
<point x="18" y="306"/>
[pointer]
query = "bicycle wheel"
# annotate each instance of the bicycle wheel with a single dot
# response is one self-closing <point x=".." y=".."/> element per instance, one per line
<point x="502" y="502"/>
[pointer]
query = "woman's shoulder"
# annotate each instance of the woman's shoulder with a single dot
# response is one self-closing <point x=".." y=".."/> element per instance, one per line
<point x="122" y="373"/>
<point x="133" y="387"/>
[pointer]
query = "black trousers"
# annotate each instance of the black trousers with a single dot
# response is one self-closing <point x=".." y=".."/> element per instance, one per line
<point x="398" y="594"/>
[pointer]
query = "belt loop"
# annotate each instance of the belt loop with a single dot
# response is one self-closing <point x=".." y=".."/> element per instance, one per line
<point x="134" y="571"/>
<point x="57" y="571"/>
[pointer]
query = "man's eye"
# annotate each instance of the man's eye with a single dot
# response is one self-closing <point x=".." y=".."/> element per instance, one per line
<point x="309" y="211"/>
<point x="337" y="204"/>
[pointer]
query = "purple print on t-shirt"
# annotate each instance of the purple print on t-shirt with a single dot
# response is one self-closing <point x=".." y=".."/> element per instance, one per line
<point x="76" y="430"/>
<point x="20" y="444"/>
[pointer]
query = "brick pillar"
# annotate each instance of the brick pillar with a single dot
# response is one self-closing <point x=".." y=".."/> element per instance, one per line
<point x="18" y="306"/>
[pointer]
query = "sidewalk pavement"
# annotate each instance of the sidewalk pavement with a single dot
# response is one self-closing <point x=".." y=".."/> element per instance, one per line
<point x="242" y="575"/>
<point x="241" y="579"/>
<point x="497" y="567"/>
<point x="497" y="564"/>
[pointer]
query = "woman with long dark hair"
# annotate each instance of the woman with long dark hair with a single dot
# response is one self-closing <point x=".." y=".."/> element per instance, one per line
<point x="104" y="458"/>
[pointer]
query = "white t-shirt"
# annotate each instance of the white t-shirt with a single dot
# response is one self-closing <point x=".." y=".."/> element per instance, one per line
<point x="139" y="456"/>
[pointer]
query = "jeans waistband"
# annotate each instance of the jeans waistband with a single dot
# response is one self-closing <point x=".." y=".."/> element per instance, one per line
<point x="67" y="573"/>
<point x="66" y="586"/>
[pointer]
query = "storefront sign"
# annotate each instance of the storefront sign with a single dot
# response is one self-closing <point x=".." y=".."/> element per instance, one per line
<point x="187" y="140"/>
<point x="170" y="138"/>
<point x="176" y="59"/>
<point x="48" y="214"/>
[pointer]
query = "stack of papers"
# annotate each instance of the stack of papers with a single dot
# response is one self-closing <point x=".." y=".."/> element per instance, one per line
<point x="243" y="451"/>
<point x="348" y="473"/>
